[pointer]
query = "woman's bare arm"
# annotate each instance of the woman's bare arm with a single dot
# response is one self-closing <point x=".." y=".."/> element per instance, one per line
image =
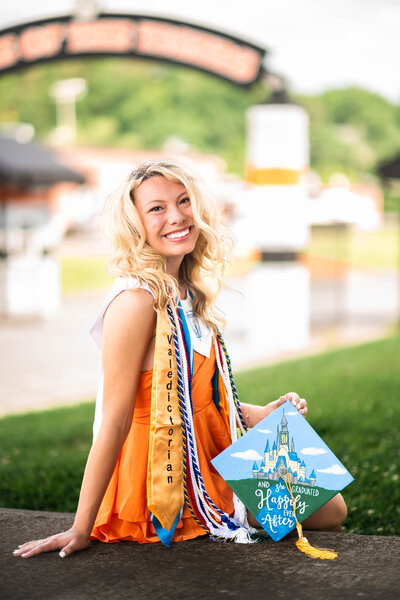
<point x="128" y="328"/>
<point x="252" y="414"/>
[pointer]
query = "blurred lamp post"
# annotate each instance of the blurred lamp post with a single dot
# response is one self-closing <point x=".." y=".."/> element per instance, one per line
<point x="65" y="93"/>
<point x="277" y="166"/>
<point x="86" y="10"/>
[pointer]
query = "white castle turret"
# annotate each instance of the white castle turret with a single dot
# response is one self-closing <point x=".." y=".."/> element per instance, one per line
<point x="281" y="458"/>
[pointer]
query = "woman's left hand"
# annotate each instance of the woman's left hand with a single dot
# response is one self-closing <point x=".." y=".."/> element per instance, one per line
<point x="254" y="414"/>
<point x="299" y="403"/>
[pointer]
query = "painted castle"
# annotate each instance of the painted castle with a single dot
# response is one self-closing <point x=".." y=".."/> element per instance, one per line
<point x="282" y="459"/>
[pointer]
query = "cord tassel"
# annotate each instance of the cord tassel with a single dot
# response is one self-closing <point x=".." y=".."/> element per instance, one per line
<point x="218" y="525"/>
<point x="302" y="543"/>
<point x="304" y="546"/>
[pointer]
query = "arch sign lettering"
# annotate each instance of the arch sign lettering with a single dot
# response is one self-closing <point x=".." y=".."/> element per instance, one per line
<point x="129" y="35"/>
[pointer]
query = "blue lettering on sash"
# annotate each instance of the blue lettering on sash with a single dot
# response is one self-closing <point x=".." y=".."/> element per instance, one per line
<point x="194" y="322"/>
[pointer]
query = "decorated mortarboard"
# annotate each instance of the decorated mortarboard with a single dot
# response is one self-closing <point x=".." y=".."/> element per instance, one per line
<point x="283" y="472"/>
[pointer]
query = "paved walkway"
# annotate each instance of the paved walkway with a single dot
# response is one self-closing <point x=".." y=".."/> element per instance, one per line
<point x="367" y="567"/>
<point x="54" y="362"/>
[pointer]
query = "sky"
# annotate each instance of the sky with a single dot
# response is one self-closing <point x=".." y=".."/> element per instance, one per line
<point x="314" y="44"/>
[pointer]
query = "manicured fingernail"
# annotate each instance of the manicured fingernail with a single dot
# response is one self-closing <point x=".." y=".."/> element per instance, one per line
<point x="15" y="551"/>
<point x="62" y="554"/>
<point x="24" y="554"/>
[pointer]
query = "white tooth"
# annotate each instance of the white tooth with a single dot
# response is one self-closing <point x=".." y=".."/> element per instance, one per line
<point x="178" y="234"/>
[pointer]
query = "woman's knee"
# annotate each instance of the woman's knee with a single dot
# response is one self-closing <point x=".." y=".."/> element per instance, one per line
<point x="335" y="514"/>
<point x="339" y="509"/>
<point x="329" y="517"/>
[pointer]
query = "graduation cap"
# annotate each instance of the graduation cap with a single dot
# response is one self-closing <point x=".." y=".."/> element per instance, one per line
<point x="283" y="472"/>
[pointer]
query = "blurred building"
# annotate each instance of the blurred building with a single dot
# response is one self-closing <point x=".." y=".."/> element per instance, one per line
<point x="32" y="181"/>
<point x="339" y="202"/>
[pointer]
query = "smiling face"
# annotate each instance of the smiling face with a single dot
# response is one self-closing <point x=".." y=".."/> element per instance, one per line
<point x="166" y="213"/>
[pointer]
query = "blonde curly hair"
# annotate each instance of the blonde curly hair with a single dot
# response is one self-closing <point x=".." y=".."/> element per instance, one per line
<point x="201" y="271"/>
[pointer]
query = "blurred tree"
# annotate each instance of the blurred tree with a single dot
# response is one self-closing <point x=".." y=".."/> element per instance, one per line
<point x="352" y="130"/>
<point x="141" y="104"/>
<point x="138" y="104"/>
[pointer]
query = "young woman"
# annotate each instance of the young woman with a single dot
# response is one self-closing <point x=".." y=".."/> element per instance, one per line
<point x="167" y="403"/>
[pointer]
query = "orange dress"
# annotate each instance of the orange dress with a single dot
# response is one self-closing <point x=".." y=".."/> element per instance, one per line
<point x="123" y="514"/>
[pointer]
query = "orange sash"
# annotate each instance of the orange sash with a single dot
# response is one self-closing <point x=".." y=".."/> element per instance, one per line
<point x="165" y="464"/>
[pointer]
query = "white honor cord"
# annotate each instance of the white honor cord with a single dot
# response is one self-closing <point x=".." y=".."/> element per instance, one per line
<point x="209" y="514"/>
<point x="185" y="393"/>
<point x="234" y="417"/>
<point x="199" y="493"/>
<point x="240" y="510"/>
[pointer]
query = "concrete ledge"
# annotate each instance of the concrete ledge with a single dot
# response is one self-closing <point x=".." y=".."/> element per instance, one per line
<point x="367" y="567"/>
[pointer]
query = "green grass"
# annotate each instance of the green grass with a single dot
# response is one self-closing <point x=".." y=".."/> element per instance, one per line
<point x="353" y="402"/>
<point x="42" y="458"/>
<point x="365" y="249"/>
<point x="374" y="249"/>
<point x="353" y="399"/>
<point x="84" y="273"/>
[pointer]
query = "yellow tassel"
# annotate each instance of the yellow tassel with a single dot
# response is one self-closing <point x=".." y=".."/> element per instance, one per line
<point x="302" y="543"/>
<point x="304" y="546"/>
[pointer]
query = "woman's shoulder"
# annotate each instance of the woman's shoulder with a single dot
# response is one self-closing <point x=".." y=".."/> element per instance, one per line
<point x="131" y="302"/>
<point x="137" y="299"/>
<point x="129" y="322"/>
<point x="128" y="283"/>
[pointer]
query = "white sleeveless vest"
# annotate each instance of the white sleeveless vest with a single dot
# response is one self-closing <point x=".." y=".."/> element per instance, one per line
<point x="200" y="333"/>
